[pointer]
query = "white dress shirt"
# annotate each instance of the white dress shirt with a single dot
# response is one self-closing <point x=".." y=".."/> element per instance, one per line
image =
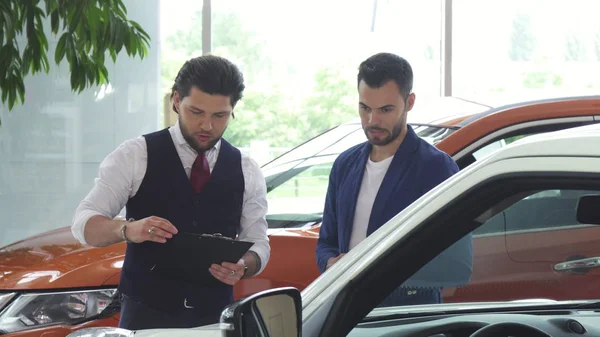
<point x="122" y="171"/>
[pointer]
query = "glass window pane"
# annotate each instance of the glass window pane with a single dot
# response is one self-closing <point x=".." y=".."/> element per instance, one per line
<point x="51" y="146"/>
<point x="529" y="250"/>
<point x="301" y="63"/>
<point x="304" y="192"/>
<point x="507" y="51"/>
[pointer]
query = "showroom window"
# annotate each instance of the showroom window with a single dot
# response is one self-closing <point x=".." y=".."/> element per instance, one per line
<point x="511" y="51"/>
<point x="300" y="60"/>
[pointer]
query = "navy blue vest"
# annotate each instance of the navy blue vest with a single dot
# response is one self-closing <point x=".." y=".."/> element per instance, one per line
<point x="166" y="192"/>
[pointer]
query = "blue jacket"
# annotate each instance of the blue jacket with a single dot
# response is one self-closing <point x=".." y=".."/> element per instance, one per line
<point x="416" y="168"/>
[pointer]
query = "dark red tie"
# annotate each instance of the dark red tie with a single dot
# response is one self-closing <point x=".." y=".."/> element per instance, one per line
<point x="200" y="172"/>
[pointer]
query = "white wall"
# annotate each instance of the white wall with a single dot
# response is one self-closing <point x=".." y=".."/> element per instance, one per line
<point x="50" y="147"/>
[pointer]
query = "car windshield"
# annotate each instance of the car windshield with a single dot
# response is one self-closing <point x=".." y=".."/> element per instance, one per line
<point x="297" y="180"/>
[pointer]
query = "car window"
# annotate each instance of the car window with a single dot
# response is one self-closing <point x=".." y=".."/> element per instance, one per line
<point x="304" y="192"/>
<point x="431" y="133"/>
<point x="309" y="149"/>
<point x="297" y="181"/>
<point x="512" y="135"/>
<point x="517" y="254"/>
<point x="496" y="145"/>
<point x="543" y="210"/>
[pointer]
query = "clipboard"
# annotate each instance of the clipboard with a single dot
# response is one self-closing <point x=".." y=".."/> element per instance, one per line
<point x="188" y="256"/>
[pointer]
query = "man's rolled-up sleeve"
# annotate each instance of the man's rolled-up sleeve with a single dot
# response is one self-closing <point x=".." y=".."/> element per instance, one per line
<point x="118" y="172"/>
<point x="253" y="224"/>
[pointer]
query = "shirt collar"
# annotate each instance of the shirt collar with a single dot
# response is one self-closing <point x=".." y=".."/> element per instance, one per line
<point x="182" y="142"/>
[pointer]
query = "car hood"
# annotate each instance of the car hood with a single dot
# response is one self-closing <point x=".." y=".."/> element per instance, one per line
<point x="57" y="260"/>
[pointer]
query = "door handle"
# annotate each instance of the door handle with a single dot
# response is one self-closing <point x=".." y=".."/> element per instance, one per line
<point x="577" y="265"/>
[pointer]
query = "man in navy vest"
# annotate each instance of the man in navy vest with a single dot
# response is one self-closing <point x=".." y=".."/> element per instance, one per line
<point x="371" y="182"/>
<point x="185" y="178"/>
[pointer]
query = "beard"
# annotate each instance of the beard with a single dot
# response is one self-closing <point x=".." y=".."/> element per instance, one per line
<point x="391" y="136"/>
<point x="193" y="142"/>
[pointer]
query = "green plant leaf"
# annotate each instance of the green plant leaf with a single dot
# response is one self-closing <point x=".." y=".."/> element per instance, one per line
<point x="27" y="65"/>
<point x="54" y="22"/>
<point x="60" y="51"/>
<point x="120" y="35"/>
<point x="139" y="29"/>
<point x="104" y="72"/>
<point x="45" y="63"/>
<point x="113" y="55"/>
<point x="8" y="23"/>
<point x="90" y="29"/>
<point x="74" y="77"/>
<point x="43" y="41"/>
<point x="5" y="94"/>
<point x="51" y="6"/>
<point x="122" y="7"/>
<point x="21" y="89"/>
<point x="12" y="95"/>
<point x="129" y="45"/>
<point x="119" y="9"/>
<point x="94" y="16"/>
<point x="82" y="79"/>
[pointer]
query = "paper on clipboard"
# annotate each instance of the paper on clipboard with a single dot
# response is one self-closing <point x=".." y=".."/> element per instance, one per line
<point x="188" y="256"/>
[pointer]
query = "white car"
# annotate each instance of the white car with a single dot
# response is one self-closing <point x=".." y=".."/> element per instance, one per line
<point x="559" y="171"/>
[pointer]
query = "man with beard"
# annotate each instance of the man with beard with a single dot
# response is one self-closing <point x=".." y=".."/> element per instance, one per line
<point x="185" y="178"/>
<point x="371" y="182"/>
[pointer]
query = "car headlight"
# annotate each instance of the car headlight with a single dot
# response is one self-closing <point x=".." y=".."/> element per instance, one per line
<point x="30" y="311"/>
<point x="101" y="332"/>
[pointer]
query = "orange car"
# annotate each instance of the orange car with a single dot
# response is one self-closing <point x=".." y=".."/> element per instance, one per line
<point x="50" y="285"/>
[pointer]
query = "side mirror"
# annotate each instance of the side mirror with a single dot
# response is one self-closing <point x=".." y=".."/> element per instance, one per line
<point x="588" y="210"/>
<point x="271" y="313"/>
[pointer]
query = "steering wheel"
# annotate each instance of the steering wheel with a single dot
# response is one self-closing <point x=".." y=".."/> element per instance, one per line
<point x="509" y="329"/>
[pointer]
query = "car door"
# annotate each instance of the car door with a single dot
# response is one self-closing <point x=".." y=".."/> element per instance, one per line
<point x="365" y="283"/>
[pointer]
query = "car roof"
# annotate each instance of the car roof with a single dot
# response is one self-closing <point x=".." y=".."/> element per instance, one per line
<point x="505" y="107"/>
<point x="459" y="112"/>
<point x="441" y="111"/>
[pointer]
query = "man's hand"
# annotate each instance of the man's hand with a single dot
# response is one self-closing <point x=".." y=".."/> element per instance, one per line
<point x="229" y="273"/>
<point x="150" y="229"/>
<point x="333" y="260"/>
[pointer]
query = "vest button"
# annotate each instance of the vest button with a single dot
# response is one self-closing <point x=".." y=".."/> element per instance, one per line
<point x="195" y="223"/>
